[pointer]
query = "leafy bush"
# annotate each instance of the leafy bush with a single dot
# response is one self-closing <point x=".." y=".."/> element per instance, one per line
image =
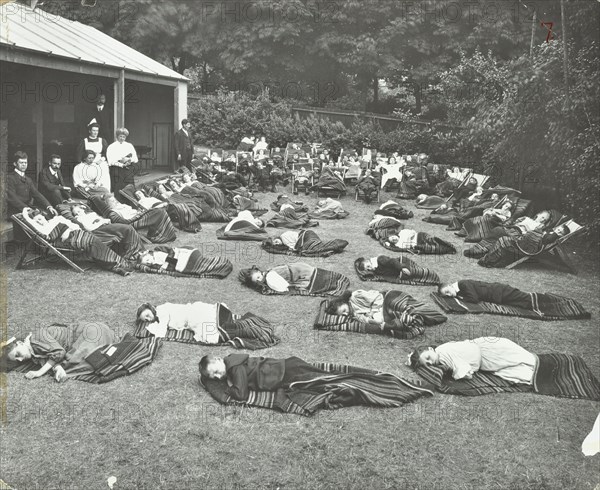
<point x="223" y="119"/>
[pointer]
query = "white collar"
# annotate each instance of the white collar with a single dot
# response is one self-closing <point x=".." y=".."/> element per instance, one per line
<point x="22" y="174"/>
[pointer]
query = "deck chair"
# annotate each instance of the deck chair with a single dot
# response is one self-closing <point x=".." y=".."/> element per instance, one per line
<point x="481" y="181"/>
<point x="46" y="249"/>
<point x="297" y="167"/>
<point x="295" y="149"/>
<point x="552" y="254"/>
<point x="358" y="194"/>
<point x="387" y="171"/>
<point x="353" y="173"/>
<point x="128" y="193"/>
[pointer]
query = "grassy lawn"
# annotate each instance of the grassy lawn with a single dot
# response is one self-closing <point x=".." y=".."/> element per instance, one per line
<point x="158" y="429"/>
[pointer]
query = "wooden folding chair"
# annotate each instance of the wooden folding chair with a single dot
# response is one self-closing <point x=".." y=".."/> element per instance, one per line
<point x="388" y="172"/>
<point x="481" y="181"/>
<point x="296" y="167"/>
<point x="45" y="247"/>
<point x="552" y="254"/>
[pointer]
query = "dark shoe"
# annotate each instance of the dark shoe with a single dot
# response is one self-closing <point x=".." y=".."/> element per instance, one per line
<point x="122" y="271"/>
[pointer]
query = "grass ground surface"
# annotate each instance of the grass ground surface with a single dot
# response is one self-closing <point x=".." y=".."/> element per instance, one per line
<point x="157" y="429"/>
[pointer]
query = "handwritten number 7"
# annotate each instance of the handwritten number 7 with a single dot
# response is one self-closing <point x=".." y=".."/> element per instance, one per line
<point x="548" y="25"/>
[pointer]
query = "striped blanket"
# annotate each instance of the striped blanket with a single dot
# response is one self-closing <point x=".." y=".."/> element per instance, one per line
<point x="242" y="230"/>
<point x="113" y="361"/>
<point x="547" y="307"/>
<point x="196" y="266"/>
<point x="323" y="283"/>
<point x="508" y="249"/>
<point x="346" y="386"/>
<point x="426" y="243"/>
<point x="405" y="318"/>
<point x="185" y="215"/>
<point x="483" y="227"/>
<point x="308" y="245"/>
<point x="160" y="227"/>
<point x="561" y="375"/>
<point x="419" y="276"/>
<point x="248" y="331"/>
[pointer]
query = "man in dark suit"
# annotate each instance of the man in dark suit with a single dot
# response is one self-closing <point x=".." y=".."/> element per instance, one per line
<point x="51" y="183"/>
<point x="21" y="193"/>
<point x="101" y="113"/>
<point x="184" y="144"/>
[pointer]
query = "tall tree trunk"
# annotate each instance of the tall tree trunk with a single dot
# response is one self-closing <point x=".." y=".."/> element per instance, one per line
<point x="375" y="92"/>
<point x="418" y="95"/>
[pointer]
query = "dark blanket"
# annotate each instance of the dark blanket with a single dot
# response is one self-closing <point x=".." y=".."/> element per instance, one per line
<point x="419" y="276"/>
<point x="329" y="180"/>
<point x="114" y="360"/>
<point x="299" y="206"/>
<point x="328" y="214"/>
<point x="418" y="183"/>
<point x="407" y="318"/>
<point x="288" y="218"/>
<point x="248" y="331"/>
<point x="197" y="266"/>
<point x="308" y="245"/>
<point x="346" y="386"/>
<point x="242" y="230"/>
<point x="323" y="283"/>
<point x="246" y="203"/>
<point x="549" y="307"/>
<point x="561" y="375"/>
<point x="394" y="211"/>
<point x="431" y="202"/>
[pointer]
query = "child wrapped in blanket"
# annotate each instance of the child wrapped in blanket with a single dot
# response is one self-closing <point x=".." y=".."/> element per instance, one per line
<point x="296" y="275"/>
<point x="176" y="259"/>
<point x="386" y="266"/>
<point x="245" y="373"/>
<point x="499" y="356"/>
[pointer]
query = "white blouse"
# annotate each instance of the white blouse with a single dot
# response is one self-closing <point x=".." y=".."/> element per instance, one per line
<point x="200" y="318"/>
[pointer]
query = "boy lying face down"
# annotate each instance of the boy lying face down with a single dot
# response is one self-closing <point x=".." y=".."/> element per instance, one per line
<point x="245" y="373"/>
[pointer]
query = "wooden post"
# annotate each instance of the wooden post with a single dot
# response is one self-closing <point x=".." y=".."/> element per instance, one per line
<point x="38" y="118"/>
<point x="533" y="26"/>
<point x="120" y="101"/>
